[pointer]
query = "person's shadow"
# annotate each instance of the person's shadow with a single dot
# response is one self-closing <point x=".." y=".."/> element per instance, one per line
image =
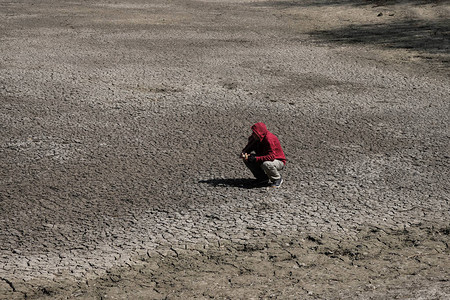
<point x="246" y="183"/>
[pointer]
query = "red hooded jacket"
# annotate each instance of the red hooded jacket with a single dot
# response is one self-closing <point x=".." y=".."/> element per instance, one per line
<point x="266" y="146"/>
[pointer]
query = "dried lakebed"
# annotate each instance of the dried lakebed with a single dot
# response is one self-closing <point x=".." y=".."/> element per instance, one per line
<point x="121" y="124"/>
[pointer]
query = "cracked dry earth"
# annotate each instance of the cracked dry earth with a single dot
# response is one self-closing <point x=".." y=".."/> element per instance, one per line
<point x="121" y="123"/>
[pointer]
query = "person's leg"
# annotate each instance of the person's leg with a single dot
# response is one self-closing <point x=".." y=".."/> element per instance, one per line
<point x="256" y="170"/>
<point x="272" y="168"/>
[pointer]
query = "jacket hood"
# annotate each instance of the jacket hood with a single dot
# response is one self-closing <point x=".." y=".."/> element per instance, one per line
<point x="260" y="130"/>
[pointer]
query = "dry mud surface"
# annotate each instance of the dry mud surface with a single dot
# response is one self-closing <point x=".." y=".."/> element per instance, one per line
<point x="121" y="122"/>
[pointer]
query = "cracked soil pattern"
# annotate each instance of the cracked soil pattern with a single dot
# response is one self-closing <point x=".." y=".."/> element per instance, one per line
<point x="122" y="121"/>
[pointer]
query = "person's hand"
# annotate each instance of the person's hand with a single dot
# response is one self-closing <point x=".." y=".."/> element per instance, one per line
<point x="244" y="156"/>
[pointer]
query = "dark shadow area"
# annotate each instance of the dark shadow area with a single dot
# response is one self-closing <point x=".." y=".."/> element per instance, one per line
<point x="432" y="37"/>
<point x="322" y="3"/>
<point x="246" y="183"/>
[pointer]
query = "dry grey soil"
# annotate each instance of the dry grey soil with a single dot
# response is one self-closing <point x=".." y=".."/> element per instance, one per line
<point x="121" y="122"/>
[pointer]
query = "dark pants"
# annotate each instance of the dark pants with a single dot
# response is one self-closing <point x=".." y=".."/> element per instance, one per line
<point x="256" y="170"/>
<point x="266" y="170"/>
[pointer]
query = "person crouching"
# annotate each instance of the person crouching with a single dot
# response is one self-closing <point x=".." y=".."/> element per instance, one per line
<point x="268" y="158"/>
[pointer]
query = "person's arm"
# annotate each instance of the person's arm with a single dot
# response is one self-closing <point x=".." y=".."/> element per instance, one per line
<point x="250" y="145"/>
<point x="270" y="156"/>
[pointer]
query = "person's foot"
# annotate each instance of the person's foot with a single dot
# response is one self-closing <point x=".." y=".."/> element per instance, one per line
<point x="277" y="183"/>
